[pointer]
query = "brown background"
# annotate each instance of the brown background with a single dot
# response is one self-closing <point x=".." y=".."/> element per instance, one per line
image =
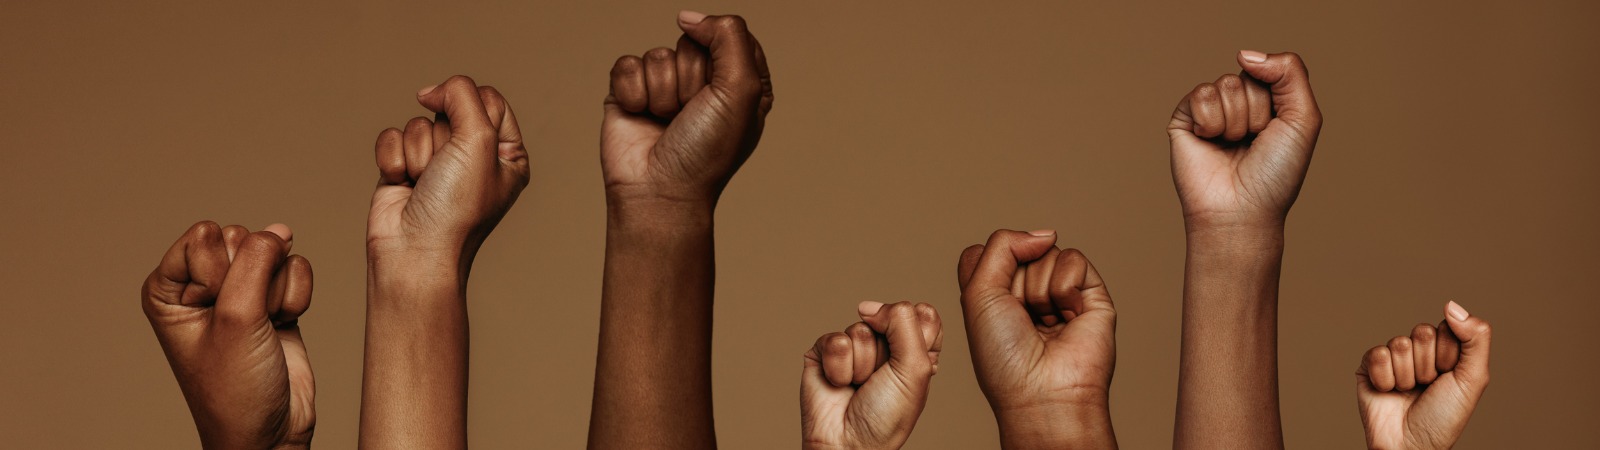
<point x="1458" y="162"/>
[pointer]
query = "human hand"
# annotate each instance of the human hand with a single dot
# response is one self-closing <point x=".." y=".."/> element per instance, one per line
<point x="1241" y="145"/>
<point x="678" y="124"/>
<point x="1042" y="330"/>
<point x="445" y="184"/>
<point x="1418" y="391"/>
<point x="865" y="387"/>
<point x="225" y="305"/>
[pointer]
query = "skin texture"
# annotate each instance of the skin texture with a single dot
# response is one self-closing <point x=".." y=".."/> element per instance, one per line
<point x="443" y="186"/>
<point x="1240" y="150"/>
<point x="677" y="126"/>
<point x="1419" y="390"/>
<point x="1042" y="330"/>
<point x="864" y="388"/>
<point x="225" y="305"/>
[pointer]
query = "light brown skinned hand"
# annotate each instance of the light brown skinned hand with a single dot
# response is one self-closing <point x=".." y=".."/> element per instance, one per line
<point x="865" y="387"/>
<point x="1042" y="330"/>
<point x="1419" y="390"/>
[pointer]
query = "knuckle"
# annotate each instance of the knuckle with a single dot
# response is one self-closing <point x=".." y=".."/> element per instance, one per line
<point x="204" y="228"/>
<point x="417" y="124"/>
<point x="1205" y="91"/>
<point x="1422" y="333"/>
<point x="490" y="95"/>
<point x="626" y="65"/>
<point x="1400" y="344"/>
<point x="973" y="249"/>
<point x="1378" y="355"/>
<point x="1073" y="255"/>
<point x="1230" y="82"/>
<point x="903" y="310"/>
<point x="859" y="331"/>
<point x="836" y="344"/>
<point x="659" y="54"/>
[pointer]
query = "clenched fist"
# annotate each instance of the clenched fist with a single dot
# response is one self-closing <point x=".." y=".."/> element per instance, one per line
<point x="1043" y="335"/>
<point x="865" y="387"/>
<point x="1418" y="391"/>
<point x="679" y="123"/>
<point x="225" y="304"/>
<point x="446" y="183"/>
<point x="1241" y="144"/>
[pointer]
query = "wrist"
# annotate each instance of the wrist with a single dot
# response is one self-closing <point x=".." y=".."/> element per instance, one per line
<point x="1084" y="422"/>
<point x="1241" y="222"/>
<point x="416" y="274"/>
<point x="631" y="211"/>
<point x="1235" y="237"/>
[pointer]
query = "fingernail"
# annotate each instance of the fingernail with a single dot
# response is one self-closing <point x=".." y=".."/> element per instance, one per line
<point x="282" y="231"/>
<point x="691" y="17"/>
<point x="1043" y="233"/>
<point x="1456" y="311"/>
<point x="426" y="89"/>
<point x="1253" y="56"/>
<point x="868" y="308"/>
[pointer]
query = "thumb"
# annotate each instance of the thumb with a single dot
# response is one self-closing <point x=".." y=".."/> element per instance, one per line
<point x="1292" y="99"/>
<point x="996" y="264"/>
<point x="900" y="323"/>
<point x="1473" y="332"/>
<point x="458" y="98"/>
<point x="733" y="51"/>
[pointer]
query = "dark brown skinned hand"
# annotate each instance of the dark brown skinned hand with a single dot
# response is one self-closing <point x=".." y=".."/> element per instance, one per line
<point x="225" y="305"/>
<point x="679" y="123"/>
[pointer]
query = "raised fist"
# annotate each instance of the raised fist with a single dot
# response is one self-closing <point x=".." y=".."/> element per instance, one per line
<point x="1418" y="391"/>
<point x="1042" y="331"/>
<point x="865" y="387"/>
<point x="225" y="302"/>
<point x="679" y="123"/>
<point x="1241" y="144"/>
<point x="446" y="183"/>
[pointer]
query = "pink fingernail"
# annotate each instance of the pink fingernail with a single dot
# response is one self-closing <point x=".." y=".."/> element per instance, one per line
<point x="691" y="17"/>
<point x="426" y="89"/>
<point x="1253" y="56"/>
<point x="1456" y="311"/>
<point x="1043" y="233"/>
<point x="868" y="308"/>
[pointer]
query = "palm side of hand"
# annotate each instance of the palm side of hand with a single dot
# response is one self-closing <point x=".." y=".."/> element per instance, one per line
<point x="679" y="122"/>
<point x="1055" y="363"/>
<point x="858" y="390"/>
<point x="1418" y="391"/>
<point x="247" y="376"/>
<point x="701" y="147"/>
<point x="434" y="206"/>
<point x="1412" y="418"/>
<point x="1241" y="145"/>
<point x="454" y="179"/>
<point x="862" y="417"/>
<point x="1257" y="178"/>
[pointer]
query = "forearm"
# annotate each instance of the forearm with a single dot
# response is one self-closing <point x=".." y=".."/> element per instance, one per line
<point x="1228" y="375"/>
<point x="414" y="384"/>
<point x="653" y="373"/>
<point x="1085" y="425"/>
